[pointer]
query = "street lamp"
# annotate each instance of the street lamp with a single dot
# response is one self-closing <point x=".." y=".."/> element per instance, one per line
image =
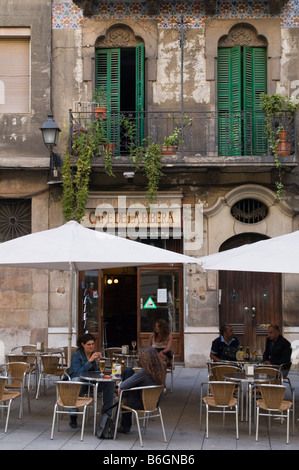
<point x="50" y="132"/>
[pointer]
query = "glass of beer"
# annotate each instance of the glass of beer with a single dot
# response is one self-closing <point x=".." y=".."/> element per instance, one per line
<point x="102" y="366"/>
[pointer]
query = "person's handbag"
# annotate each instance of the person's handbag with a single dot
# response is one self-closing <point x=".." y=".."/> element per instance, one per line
<point x="106" y="426"/>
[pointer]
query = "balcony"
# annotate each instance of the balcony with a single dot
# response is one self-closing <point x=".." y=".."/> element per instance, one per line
<point x="227" y="141"/>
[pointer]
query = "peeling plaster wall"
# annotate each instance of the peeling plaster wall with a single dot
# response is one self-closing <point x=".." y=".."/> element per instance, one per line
<point x="167" y="93"/>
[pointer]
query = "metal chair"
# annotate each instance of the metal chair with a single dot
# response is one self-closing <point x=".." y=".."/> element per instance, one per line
<point x="65" y="354"/>
<point x="216" y="372"/>
<point x="110" y="354"/>
<point x="29" y="359"/>
<point x="222" y="399"/>
<point x="69" y="401"/>
<point x="170" y="368"/>
<point x="151" y="409"/>
<point x="50" y="368"/>
<point x="16" y="381"/>
<point x="273" y="404"/>
<point x="6" y="398"/>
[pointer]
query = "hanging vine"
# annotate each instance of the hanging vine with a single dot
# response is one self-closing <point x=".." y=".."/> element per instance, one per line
<point x="274" y="106"/>
<point x="76" y="177"/>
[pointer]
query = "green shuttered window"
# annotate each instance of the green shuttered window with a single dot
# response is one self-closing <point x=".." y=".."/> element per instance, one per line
<point x="111" y="75"/>
<point x="241" y="73"/>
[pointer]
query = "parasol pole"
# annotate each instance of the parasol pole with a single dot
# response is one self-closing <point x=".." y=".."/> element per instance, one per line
<point x="70" y="319"/>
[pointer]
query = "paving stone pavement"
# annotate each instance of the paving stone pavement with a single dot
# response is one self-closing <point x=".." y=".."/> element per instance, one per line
<point x="181" y="417"/>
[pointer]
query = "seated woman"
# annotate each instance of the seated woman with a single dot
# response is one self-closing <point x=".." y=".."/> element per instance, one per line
<point x="151" y="373"/>
<point x="85" y="359"/>
<point x="161" y="340"/>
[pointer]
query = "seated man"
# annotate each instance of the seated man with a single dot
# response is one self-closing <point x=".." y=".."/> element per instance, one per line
<point x="278" y="350"/>
<point x="226" y="346"/>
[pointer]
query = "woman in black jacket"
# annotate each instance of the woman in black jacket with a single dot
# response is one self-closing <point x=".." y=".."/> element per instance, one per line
<point x="152" y="373"/>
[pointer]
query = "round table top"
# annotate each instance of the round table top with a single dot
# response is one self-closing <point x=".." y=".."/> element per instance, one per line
<point x="242" y="377"/>
<point x="98" y="377"/>
<point x="130" y="354"/>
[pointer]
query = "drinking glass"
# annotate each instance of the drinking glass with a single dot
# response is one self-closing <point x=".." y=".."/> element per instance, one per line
<point x="133" y="345"/>
<point x="102" y="367"/>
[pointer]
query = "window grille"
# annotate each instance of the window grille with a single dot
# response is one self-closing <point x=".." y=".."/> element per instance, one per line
<point x="249" y="211"/>
<point x="15" y="218"/>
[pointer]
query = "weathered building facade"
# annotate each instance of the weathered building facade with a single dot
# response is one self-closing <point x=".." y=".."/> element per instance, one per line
<point x="196" y="66"/>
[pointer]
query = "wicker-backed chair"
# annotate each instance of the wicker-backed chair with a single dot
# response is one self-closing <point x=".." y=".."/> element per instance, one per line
<point x="216" y="372"/>
<point x="16" y="373"/>
<point x="70" y="401"/>
<point x="273" y="404"/>
<point x="223" y="369"/>
<point x="51" y="369"/>
<point x="65" y="354"/>
<point x="273" y="371"/>
<point x="110" y="352"/>
<point x="278" y="380"/>
<point x="221" y="400"/>
<point x="151" y="409"/>
<point x="25" y="353"/>
<point x="6" y="398"/>
<point x="29" y="359"/>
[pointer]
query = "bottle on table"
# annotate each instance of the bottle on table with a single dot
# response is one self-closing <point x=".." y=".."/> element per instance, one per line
<point x="247" y="354"/>
<point x="240" y="354"/>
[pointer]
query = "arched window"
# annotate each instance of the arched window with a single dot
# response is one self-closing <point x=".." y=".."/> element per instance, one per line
<point x="119" y="69"/>
<point x="242" y="78"/>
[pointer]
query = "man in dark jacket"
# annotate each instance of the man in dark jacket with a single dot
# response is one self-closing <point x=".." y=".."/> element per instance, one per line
<point x="278" y="350"/>
<point x="226" y="346"/>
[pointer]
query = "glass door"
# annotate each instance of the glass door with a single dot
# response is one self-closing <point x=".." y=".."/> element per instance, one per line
<point x="90" y="304"/>
<point x="160" y="295"/>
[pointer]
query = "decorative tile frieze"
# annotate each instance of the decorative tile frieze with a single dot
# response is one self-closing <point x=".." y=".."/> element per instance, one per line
<point x="70" y="14"/>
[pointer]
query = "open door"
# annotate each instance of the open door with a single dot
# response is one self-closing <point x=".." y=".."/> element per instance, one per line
<point x="120" y="71"/>
<point x="160" y="295"/>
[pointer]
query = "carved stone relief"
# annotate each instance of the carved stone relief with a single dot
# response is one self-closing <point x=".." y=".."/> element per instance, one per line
<point x="242" y="35"/>
<point x="118" y="36"/>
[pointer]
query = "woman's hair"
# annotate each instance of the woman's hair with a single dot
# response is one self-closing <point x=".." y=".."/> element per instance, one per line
<point x="164" y="329"/>
<point x="150" y="361"/>
<point x="84" y="339"/>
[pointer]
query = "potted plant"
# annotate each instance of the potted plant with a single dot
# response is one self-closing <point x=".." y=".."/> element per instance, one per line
<point x="170" y="143"/>
<point x="99" y="97"/>
<point x="278" y="111"/>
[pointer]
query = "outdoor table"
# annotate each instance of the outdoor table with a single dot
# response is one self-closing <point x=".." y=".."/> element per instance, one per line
<point x="96" y="377"/>
<point x="249" y="381"/>
<point x="129" y="358"/>
<point x="38" y="353"/>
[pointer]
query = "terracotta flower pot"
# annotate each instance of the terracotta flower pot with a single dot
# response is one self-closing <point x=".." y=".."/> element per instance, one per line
<point x="284" y="146"/>
<point x="110" y="147"/>
<point x="100" y="112"/>
<point x="169" y="150"/>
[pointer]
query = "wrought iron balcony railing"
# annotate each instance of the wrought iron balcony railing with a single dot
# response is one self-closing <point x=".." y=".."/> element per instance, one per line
<point x="211" y="135"/>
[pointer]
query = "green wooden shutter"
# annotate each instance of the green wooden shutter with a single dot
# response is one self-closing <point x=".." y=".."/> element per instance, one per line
<point x="108" y="77"/>
<point x="139" y="52"/>
<point x="260" y="86"/>
<point x="254" y="83"/>
<point x="229" y="98"/>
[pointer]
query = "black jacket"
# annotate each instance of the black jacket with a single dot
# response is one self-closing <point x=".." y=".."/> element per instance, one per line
<point x="278" y="352"/>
